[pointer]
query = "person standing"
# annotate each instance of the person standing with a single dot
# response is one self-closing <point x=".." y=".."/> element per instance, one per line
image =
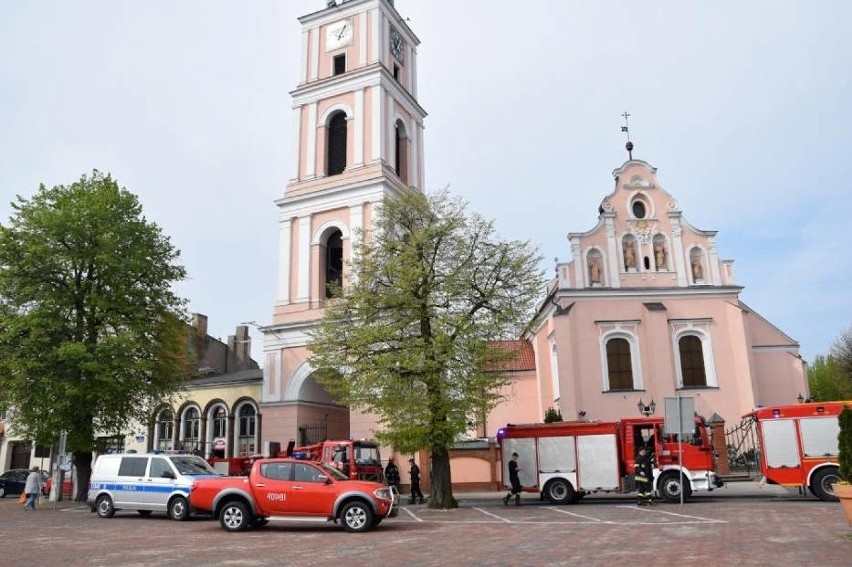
<point x="644" y="474"/>
<point x="32" y="488"/>
<point x="515" y="481"/>
<point x="416" y="493"/>
<point x="392" y="474"/>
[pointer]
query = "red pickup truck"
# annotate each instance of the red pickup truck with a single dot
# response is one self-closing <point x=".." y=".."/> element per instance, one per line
<point x="295" y="490"/>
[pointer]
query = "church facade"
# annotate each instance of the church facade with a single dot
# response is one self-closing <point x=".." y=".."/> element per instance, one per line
<point x="645" y="310"/>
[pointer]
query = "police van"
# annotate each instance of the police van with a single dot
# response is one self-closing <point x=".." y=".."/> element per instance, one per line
<point x="146" y="483"/>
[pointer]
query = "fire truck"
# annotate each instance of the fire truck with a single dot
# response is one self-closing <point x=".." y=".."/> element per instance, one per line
<point x="358" y="460"/>
<point x="797" y="445"/>
<point x="565" y="461"/>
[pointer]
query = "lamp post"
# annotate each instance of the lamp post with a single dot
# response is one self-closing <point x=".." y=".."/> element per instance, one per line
<point x="647" y="410"/>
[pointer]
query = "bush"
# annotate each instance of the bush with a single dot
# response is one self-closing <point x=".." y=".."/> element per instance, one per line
<point x="844" y="444"/>
<point x="552" y="415"/>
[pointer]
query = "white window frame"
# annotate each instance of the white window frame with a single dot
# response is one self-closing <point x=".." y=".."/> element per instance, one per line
<point x="628" y="330"/>
<point x="699" y="328"/>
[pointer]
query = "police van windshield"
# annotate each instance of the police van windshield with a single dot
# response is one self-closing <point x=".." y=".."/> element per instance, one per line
<point x="192" y="465"/>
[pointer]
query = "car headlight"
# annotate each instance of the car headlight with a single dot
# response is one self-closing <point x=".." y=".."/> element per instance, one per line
<point x="383" y="493"/>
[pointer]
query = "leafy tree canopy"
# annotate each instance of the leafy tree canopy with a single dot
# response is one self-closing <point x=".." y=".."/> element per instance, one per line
<point x="830" y="377"/>
<point x="407" y="337"/>
<point x="91" y="335"/>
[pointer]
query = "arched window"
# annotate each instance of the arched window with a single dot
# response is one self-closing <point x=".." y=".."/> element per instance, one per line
<point x="191" y="430"/>
<point x="217" y="435"/>
<point x="400" y="151"/>
<point x="333" y="263"/>
<point x="247" y="438"/>
<point x="336" y="154"/>
<point x="692" y="362"/>
<point x="164" y="430"/>
<point x="619" y="364"/>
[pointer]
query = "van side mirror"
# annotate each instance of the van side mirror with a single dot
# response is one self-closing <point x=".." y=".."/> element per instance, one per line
<point x="168" y="474"/>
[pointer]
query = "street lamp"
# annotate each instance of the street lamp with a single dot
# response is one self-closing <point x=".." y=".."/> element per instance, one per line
<point x="647" y="410"/>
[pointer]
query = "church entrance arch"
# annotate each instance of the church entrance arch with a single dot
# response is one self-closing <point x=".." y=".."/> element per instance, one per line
<point x="316" y="413"/>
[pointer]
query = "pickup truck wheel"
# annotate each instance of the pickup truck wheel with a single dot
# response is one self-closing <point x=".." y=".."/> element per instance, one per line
<point x="821" y="483"/>
<point x="234" y="517"/>
<point x="356" y="517"/>
<point x="178" y="509"/>
<point x="559" y="491"/>
<point x="104" y="507"/>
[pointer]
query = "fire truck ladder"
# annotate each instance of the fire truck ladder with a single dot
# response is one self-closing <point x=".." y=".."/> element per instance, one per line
<point x="743" y="451"/>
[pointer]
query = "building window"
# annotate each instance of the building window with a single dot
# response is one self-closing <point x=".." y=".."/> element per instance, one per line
<point x="336" y="153"/>
<point x="396" y="71"/>
<point x="218" y="431"/>
<point x="164" y="431"/>
<point x="333" y="263"/>
<point x="246" y="441"/>
<point x="191" y="430"/>
<point x="400" y="165"/>
<point x="619" y="364"/>
<point x="639" y="209"/>
<point x="692" y="368"/>
<point x="340" y="64"/>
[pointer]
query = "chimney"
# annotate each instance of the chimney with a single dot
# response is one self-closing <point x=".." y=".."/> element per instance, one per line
<point x="199" y="323"/>
<point x="243" y="344"/>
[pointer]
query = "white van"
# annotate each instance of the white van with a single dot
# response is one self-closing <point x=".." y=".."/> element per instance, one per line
<point x="145" y="483"/>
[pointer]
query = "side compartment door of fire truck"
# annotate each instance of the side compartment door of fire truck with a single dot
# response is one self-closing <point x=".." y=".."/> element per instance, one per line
<point x="557" y="462"/>
<point x="525" y="448"/>
<point x="781" y="461"/>
<point x="597" y="465"/>
<point x="819" y="455"/>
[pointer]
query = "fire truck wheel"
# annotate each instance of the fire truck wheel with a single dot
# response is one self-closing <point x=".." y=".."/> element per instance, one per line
<point x="234" y="516"/>
<point x="821" y="483"/>
<point x="179" y="509"/>
<point x="356" y="517"/>
<point x="104" y="506"/>
<point x="670" y="485"/>
<point x="559" y="491"/>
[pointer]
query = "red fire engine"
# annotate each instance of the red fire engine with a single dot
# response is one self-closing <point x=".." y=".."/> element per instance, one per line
<point x="359" y="460"/>
<point x="564" y="461"/>
<point x="798" y="445"/>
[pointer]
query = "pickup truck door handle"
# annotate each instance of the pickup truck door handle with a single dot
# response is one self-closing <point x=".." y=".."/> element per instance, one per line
<point x="260" y="485"/>
<point x="297" y="488"/>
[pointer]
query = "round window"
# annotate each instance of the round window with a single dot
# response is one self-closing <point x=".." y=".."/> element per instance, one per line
<point x="639" y="209"/>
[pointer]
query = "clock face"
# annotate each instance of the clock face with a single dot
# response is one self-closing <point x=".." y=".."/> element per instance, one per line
<point x="397" y="46"/>
<point x="338" y="34"/>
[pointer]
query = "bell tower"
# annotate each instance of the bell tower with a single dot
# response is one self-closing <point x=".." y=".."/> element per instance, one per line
<point x="358" y="139"/>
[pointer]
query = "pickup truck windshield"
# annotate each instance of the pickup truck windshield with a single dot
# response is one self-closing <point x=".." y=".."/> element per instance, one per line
<point x="192" y="465"/>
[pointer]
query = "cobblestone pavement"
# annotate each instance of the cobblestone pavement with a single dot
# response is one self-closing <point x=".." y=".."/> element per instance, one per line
<point x="739" y="525"/>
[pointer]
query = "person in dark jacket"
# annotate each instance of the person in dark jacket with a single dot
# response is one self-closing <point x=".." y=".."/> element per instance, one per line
<point x="515" y="481"/>
<point x="644" y="474"/>
<point x="392" y="474"/>
<point x="416" y="493"/>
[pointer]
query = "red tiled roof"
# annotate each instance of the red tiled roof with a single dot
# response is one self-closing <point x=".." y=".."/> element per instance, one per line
<point x="522" y="355"/>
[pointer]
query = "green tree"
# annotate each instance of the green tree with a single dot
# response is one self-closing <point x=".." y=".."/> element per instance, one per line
<point x="552" y="415"/>
<point x="825" y="380"/>
<point x="407" y="338"/>
<point x="91" y="335"/>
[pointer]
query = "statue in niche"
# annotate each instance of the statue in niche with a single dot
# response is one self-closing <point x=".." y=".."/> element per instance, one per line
<point x="629" y="255"/>
<point x="697" y="270"/>
<point x="660" y="255"/>
<point x="595" y="271"/>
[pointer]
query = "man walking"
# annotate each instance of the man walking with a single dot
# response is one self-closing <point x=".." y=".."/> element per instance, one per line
<point x="416" y="493"/>
<point x="515" y="481"/>
<point x="32" y="488"/>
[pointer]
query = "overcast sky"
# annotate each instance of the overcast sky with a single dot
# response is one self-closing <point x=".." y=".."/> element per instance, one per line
<point x="743" y="106"/>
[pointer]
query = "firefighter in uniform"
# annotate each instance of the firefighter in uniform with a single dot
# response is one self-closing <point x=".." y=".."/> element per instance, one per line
<point x="515" y="481"/>
<point x="644" y="474"/>
<point x="392" y="474"/>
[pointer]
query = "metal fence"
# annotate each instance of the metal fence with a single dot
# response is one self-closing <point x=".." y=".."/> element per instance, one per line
<point x="743" y="448"/>
<point x="310" y="434"/>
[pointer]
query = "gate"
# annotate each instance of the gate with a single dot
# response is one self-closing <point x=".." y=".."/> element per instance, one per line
<point x="312" y="434"/>
<point x="743" y="448"/>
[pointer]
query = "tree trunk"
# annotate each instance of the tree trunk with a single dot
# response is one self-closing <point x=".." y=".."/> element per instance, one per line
<point x="441" y="492"/>
<point x="83" y="466"/>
